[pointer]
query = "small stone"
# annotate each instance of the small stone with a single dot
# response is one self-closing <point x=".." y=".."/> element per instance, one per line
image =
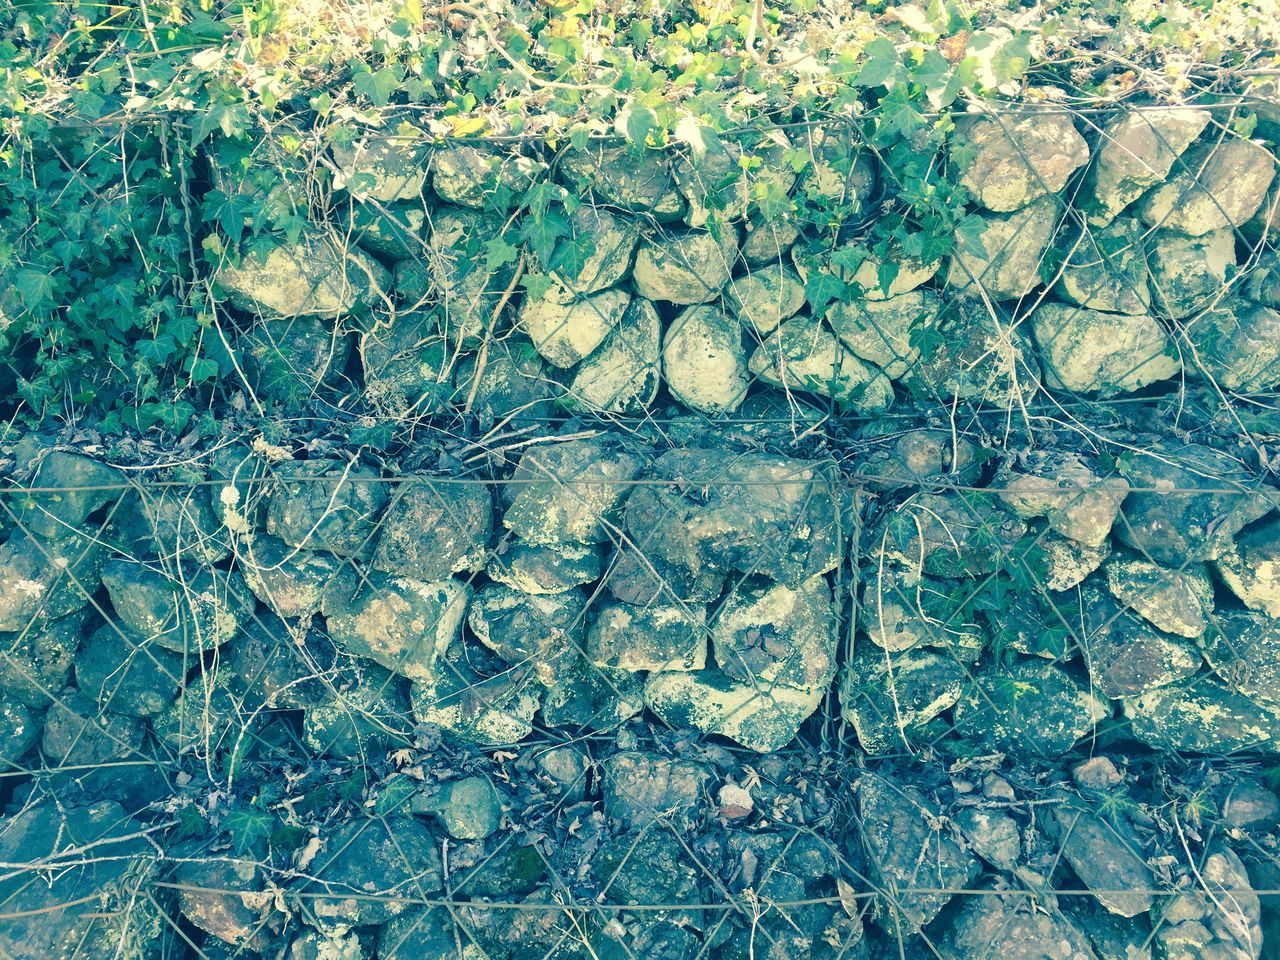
<point x="1236" y="345"/>
<point x="224" y="898"/>
<point x="1009" y="926"/>
<point x="997" y="788"/>
<point x="20" y="730"/>
<point x="314" y="945"/>
<point x="468" y="809"/>
<point x="1106" y="354"/>
<point x="311" y="278"/>
<point x="703" y="361"/>
<point x="401" y="623"/>
<point x="1175" y="601"/>
<point x="626" y="637"/>
<point x="128" y="675"/>
<point x="550" y="569"/>
<point x="188" y="611"/>
<point x="1218" y="185"/>
<point x="1013" y="161"/>
<point x="916" y="457"/>
<point x="288" y="580"/>
<point x="1097" y="773"/>
<point x="886" y="332"/>
<point x="804" y="355"/>
<point x="1248" y="804"/>
<point x="535" y="631"/>
<point x="1106" y="862"/>
<point x="1106" y="269"/>
<point x="993" y="835"/>
<point x="565" y="333"/>
<point x="480" y="177"/>
<point x="685" y="268"/>
<point x="768" y="241"/>
<point x="1218" y="916"/>
<point x="640" y="788"/>
<point x="623" y="374"/>
<point x="767" y="634"/>
<point x="1251" y="567"/>
<point x="735" y="802"/>
<point x="1189" y="274"/>
<point x="434" y="528"/>
<point x="1004" y="261"/>
<point x="1138" y="149"/>
<point x="766" y="296"/>
<point x="326" y="505"/>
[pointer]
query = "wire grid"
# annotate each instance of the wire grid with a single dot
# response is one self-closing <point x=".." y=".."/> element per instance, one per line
<point x="582" y="915"/>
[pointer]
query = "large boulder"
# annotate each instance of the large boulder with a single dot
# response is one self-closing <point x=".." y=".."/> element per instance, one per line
<point x="685" y="268"/>
<point x="456" y="278"/>
<point x="804" y="355"/>
<point x="1203" y="715"/>
<point x="1106" y="354"/>
<point x="1137" y="150"/>
<point x="765" y="296"/>
<point x="434" y="528"/>
<point x="364" y="711"/>
<point x="314" y="277"/>
<point x="480" y="177"/>
<point x="1217" y="185"/>
<point x="1010" y="161"/>
<point x="531" y="568"/>
<point x="187" y="610"/>
<point x="1005" y="260"/>
<point x="35" y="662"/>
<point x="703" y="362"/>
<point x="1236" y="344"/>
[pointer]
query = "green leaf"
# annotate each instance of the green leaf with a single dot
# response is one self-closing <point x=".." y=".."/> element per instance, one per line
<point x="498" y="253"/>
<point x="394" y="795"/>
<point x="636" y="123"/>
<point x="377" y="86"/>
<point x="821" y="289"/>
<point x="35" y="287"/>
<point x="880" y="64"/>
<point x="247" y="828"/>
<point x="541" y="233"/>
<point x="969" y="231"/>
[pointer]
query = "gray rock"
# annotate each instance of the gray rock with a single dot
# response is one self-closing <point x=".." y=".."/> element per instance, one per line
<point x="76" y="485"/>
<point x="188" y="610"/>
<point x="1124" y="654"/>
<point x="1106" y="269"/>
<point x="314" y="945"/>
<point x="720" y="183"/>
<point x="1217" y="185"/>
<point x="481" y="177"/>
<point x="569" y="492"/>
<point x="1236" y="344"/>
<point x="434" y="528"/>
<point x="506" y="381"/>
<point x="20" y="730"/>
<point x="622" y="375"/>
<point x="550" y="569"/>
<point x="767" y="633"/>
<point x="768" y="241"/>
<point x="272" y="663"/>
<point x="1218" y="917"/>
<point x="1013" y="927"/>
<point x="653" y="637"/>
<point x="870" y="277"/>
<point x="993" y="835"/>
<point x="1064" y="489"/>
<point x="207" y="721"/>
<point x="1009" y="162"/>
<point x="1065" y="563"/>
<point x="290" y="581"/>
<point x="1251" y="567"/>
<point x="290" y="361"/>
<point x="638" y="180"/>
<point x="1006" y="261"/>
<point x="128" y="675"/>
<point x="902" y="608"/>
<point x="703" y="360"/>
<point x="1175" y="601"/>
<point x="468" y="808"/>
<point x="422" y="933"/>
<point x="889" y="698"/>
<point x="609" y="244"/>
<point x="225" y="898"/>
<point x="42" y="580"/>
<point x="489" y="708"/>
<point x="396" y="231"/>
<point x="1191" y="273"/>
<point x="1203" y="715"/>
<point x="841" y="170"/>
<point x="1243" y="649"/>
<point x="764" y="297"/>
<point x="326" y="505"/>
<point x="77" y="733"/>
<point x="1262" y="283"/>
<point x="1107" y="860"/>
<point x="35" y="663"/>
<point x="395" y="858"/>
<point x="685" y="268"/>
<point x="974" y="355"/>
<point x="1106" y="354"/>
<point x="408" y="363"/>
<point x="590" y="697"/>
<point x="315" y="277"/>
<point x="565" y="332"/>
<point x="908" y="845"/>
<point x="964" y="533"/>
<point x="1250" y="804"/>
<point x="170" y="524"/>
<point x="916" y="457"/>
<point x="538" y="632"/>
<point x="804" y="355"/>
<point x="366" y="711"/>
<point x="886" y="332"/>
<point x="385" y="169"/>
<point x="1137" y="151"/>
<point x="401" y="623"/>
<point x="639" y="788"/>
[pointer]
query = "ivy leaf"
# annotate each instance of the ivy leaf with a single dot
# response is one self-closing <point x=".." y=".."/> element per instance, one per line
<point x="881" y="64"/>
<point x="820" y="289"/>
<point x="35" y="287"/>
<point x="378" y="85"/>
<point x="247" y="828"/>
<point x="969" y="231"/>
<point x="536" y="285"/>
<point x="700" y="140"/>
<point x="499" y="253"/>
<point x="636" y="123"/>
<point x="541" y="233"/>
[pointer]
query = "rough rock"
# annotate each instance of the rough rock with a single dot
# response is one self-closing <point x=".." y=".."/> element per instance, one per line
<point x="890" y="698"/>
<point x="1005" y="261"/>
<point x="1244" y="650"/>
<point x="290" y="581"/>
<point x="569" y="492"/>
<point x="720" y="182"/>
<point x="540" y="632"/>
<point x="189" y="610"/>
<point x="549" y="569"/>
<point x="1066" y="563"/>
<point x="768" y="241"/>
<point x="313" y="278"/>
<point x="908" y="846"/>
<point x="1107" y="860"/>
<point x="652" y="637"/>
<point x="477" y="699"/>
<point x="565" y="333"/>
<point x="171" y="524"/>
<point x="366" y="711"/>
<point x="506" y="381"/>
<point x="1190" y="273"/>
<point x="1251" y="567"/>
<point x="1217" y="185"/>
<point x="1013" y="927"/>
<point x="408" y="363"/>
<point x="767" y="633"/>
<point x="479" y="177"/>
<point x="290" y="361"/>
<point x="1203" y="715"/>
<point x="468" y="808"/>
<point x="639" y="788"/>
<point x="703" y="362"/>
<point x="35" y="662"/>
<point x="685" y="268"/>
<point x="764" y="297"/>
<point x="1106" y="269"/>
<point x="841" y="170"/>
<point x="385" y="169"/>
<point x="79" y="486"/>
<point x="274" y="663"/>
<point x="870" y="277"/>
<point x="1175" y="601"/>
<point x="1236" y="344"/>
<point x="1106" y="354"/>
<point x="590" y="697"/>
<point x="128" y="675"/>
<point x="42" y="580"/>
<point x="605" y="246"/>
<point x="456" y="279"/>
<point x="401" y="623"/>
<point x="326" y="505"/>
<point x="394" y="230"/>
<point x="963" y="533"/>
<point x="623" y="374"/>
<point x="886" y="332"/>
<point x="916" y="457"/>
<point x="1009" y="162"/>
<point x="1137" y="151"/>
<point x="1065" y="490"/>
<point x="20" y="730"/>
<point x="1218" y="916"/>
<point x="974" y="355"/>
<point x="1124" y="654"/>
<point x="434" y="528"/>
<point x="224" y="898"/>
<point x="638" y="180"/>
<point x="902" y="608"/>
<point x="993" y="835"/>
<point x="804" y="355"/>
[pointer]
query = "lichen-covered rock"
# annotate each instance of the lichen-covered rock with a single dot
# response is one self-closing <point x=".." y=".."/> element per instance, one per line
<point x="189" y="610"/>
<point x="1106" y="354"/>
<point x="1203" y="715"/>
<point x="804" y="355"/>
<point x="639" y="788"/>
<point x="1010" y="161"/>
<point x="1066" y="563"/>
<point x="764" y="297"/>
<point x="915" y="457"/>
<point x="703" y="362"/>
<point x="1236" y="344"/>
<point x="20" y="730"/>
<point x="768" y="241"/>
<point x="1173" y="600"/>
<point x="371" y="871"/>
<point x="128" y="675"/>
<point x="434" y="528"/>
<point x="1031" y="708"/>
<point x="395" y="231"/>
<point x="326" y="505"/>
<point x="622" y="176"/>
<point x="623" y="374"/>
<point x="605" y="245"/>
<point x="468" y="808"/>
<point x="565" y="333"/>
<point x="1106" y="860"/>
<point x="225" y="898"/>
<point x="385" y="169"/>
<point x="1243" y="648"/>
<point x="290" y="581"/>
<point x="77" y="733"/>
<point x="1217" y="185"/>
<point x="365" y="711"/>
<point x="1124" y="654"/>
<point x="292" y="360"/>
<point x="908" y="847"/>
<point x="1106" y="269"/>
<point x="1137" y="151"/>
<point x="478" y="699"/>
<point x="963" y="533"/>
<point x="902" y="608"/>
<point x="652" y="637"/>
<point x="870" y="277"/>
<point x="1188" y="502"/>
<point x="1065" y="490"/>
<point x="591" y="697"/>
<point x="1005" y="261"/>
<point x="1251" y="567"/>
<point x="545" y="569"/>
<point x="569" y="492"/>
<point x="993" y="835"/>
<point x="886" y="332"/>
<point x="315" y="277"/>
<point x="1012" y="927"/>
<point x="42" y="580"/>
<point x="278" y="664"/>
<point x="841" y="169"/>
<point x="540" y="632"/>
<point x="974" y="355"/>
<point x="767" y="633"/>
<point x="890" y="698"/>
<point x="506" y="381"/>
<point x="480" y="177"/>
<point x="35" y="662"/>
<point x="73" y="488"/>
<point x="1219" y="915"/>
<point x="1190" y="273"/>
<point x="408" y="363"/>
<point x="401" y="623"/>
<point x="456" y="278"/>
<point x="720" y="182"/>
<point x="170" y="524"/>
<point x="685" y="268"/>
<point x="759" y="717"/>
